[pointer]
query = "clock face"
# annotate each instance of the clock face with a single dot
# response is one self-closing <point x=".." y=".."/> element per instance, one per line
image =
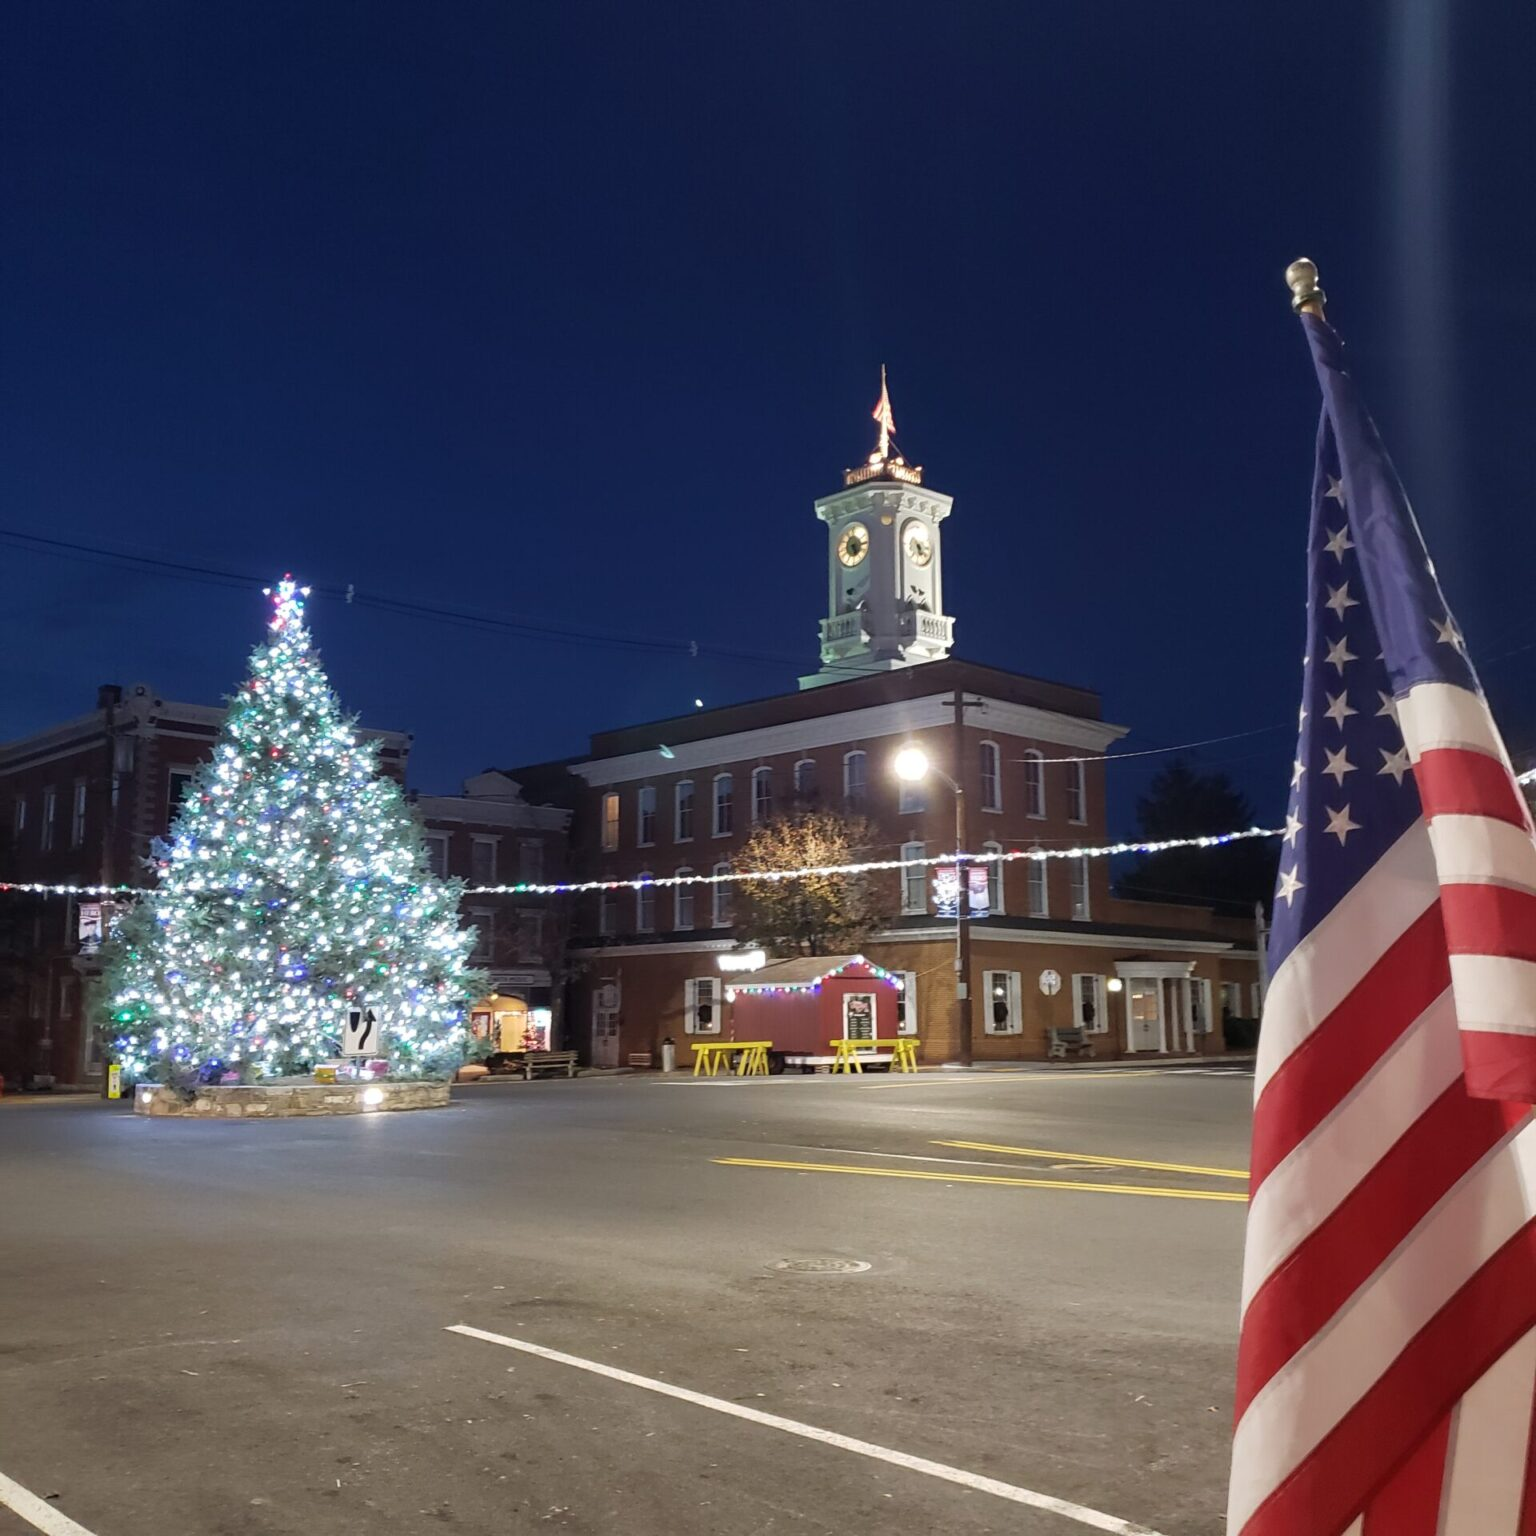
<point x="917" y="542"/>
<point x="853" y="544"/>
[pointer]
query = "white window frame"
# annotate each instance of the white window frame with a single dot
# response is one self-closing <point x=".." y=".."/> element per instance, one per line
<point x="645" y="903"/>
<point x="1013" y="995"/>
<point x="1200" y="1005"/>
<point x="477" y="842"/>
<point x="994" y="868"/>
<point x="906" y="1004"/>
<point x="683" y="805"/>
<point x="530" y="861"/>
<point x="1232" y="999"/>
<point x="1034" y="784"/>
<point x="77" y="816"/>
<point x="912" y="798"/>
<point x="722" y="807"/>
<point x="991" y="764"/>
<point x="1077" y="795"/>
<point x="610" y="821"/>
<point x="856" y="790"/>
<point x="1087" y="987"/>
<point x="606" y="914"/>
<point x="483" y="921"/>
<point x="176" y="781"/>
<point x="762" y="795"/>
<point x="531" y="924"/>
<point x="682" y="904"/>
<point x="50" y="816"/>
<point x="802" y="791"/>
<point x="1037" y="882"/>
<point x="720" y="913"/>
<point x="66" y="997"/>
<point x="1078" y="876"/>
<point x="914" y="881"/>
<point x="645" y="816"/>
<point x="437" y="842"/>
<point x="699" y="991"/>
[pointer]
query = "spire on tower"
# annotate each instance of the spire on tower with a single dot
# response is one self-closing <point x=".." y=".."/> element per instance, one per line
<point x="887" y="420"/>
<point x="885" y="463"/>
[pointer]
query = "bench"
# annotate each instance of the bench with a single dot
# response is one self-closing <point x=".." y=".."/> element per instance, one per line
<point x="850" y="1054"/>
<point x="529" y="1062"/>
<point x="1068" y="1042"/>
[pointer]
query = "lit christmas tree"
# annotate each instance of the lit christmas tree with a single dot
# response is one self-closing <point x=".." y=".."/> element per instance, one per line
<point x="294" y="888"/>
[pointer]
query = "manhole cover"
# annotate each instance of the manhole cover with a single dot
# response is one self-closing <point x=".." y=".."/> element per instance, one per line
<point x="820" y="1266"/>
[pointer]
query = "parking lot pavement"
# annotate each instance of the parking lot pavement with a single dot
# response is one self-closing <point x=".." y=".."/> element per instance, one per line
<point x="243" y="1328"/>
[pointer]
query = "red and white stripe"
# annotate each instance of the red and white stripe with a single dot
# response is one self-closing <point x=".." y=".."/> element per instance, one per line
<point x="1387" y="1369"/>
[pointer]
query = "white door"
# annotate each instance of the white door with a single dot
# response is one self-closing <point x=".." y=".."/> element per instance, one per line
<point x="1143" y="1015"/>
<point x="605" y="1036"/>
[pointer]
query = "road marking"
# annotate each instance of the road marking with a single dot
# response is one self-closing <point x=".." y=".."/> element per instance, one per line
<point x="38" y="1514"/>
<point x="1078" y="1512"/>
<point x="982" y="1178"/>
<point x="1109" y="1162"/>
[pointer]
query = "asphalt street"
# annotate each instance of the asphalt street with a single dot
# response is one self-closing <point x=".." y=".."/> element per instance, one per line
<point x="242" y="1330"/>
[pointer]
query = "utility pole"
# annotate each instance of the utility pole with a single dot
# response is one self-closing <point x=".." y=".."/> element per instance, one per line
<point x="963" y="1012"/>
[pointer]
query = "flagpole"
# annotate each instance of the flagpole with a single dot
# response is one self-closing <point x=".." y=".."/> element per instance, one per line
<point x="1306" y="297"/>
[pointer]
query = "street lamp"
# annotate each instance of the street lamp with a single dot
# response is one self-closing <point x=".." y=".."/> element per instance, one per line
<point x="911" y="765"/>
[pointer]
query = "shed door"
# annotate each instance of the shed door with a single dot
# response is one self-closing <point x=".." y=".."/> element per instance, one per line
<point x="858" y="1015"/>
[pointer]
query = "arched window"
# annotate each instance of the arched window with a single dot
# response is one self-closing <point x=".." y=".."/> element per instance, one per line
<point x="1034" y="783"/>
<point x="762" y="795"/>
<point x="914" y="879"/>
<point x="721" y="909"/>
<point x="682" y="904"/>
<point x="645" y="904"/>
<point x="805" y="779"/>
<point x="991" y="777"/>
<point x="994" y="878"/>
<point x="855" y="784"/>
<point x="1039" y="905"/>
<point x="1077" y="794"/>
<point x="722" y="805"/>
<point x="1077" y="887"/>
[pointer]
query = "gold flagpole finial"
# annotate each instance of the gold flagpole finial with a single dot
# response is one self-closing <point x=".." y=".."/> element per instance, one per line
<point x="1306" y="297"/>
<point x="883" y="414"/>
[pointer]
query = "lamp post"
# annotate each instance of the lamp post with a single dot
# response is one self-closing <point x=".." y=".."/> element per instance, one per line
<point x="911" y="765"/>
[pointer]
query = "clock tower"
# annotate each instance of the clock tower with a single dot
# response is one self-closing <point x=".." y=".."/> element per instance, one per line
<point x="885" y="586"/>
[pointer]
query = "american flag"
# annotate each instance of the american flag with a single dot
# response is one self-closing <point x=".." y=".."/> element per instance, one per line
<point x="1387" y="1365"/>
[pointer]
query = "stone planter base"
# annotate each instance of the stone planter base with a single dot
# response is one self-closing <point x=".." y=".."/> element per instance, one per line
<point x="270" y="1101"/>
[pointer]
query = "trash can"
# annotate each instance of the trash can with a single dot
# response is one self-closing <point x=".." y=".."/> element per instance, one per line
<point x="668" y="1055"/>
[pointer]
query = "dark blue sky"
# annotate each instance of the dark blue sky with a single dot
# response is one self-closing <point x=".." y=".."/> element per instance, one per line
<point x="566" y="313"/>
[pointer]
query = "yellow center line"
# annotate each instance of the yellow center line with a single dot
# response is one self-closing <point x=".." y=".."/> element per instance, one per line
<point x="1085" y="1157"/>
<point x="982" y="1178"/>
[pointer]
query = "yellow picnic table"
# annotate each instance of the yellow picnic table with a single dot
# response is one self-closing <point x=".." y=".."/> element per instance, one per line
<point x="903" y="1051"/>
<point x="708" y="1055"/>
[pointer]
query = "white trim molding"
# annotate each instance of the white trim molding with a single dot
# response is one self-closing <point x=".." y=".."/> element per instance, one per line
<point x="851" y="725"/>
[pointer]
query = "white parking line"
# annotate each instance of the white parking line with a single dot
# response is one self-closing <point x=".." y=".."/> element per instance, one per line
<point x="1069" y="1511"/>
<point x="38" y="1514"/>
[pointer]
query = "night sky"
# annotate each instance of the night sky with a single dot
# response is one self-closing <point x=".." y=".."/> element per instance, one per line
<point x="562" y="315"/>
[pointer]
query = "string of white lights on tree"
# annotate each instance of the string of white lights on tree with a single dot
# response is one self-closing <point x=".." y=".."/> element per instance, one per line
<point x="294" y="892"/>
<point x="868" y="866"/>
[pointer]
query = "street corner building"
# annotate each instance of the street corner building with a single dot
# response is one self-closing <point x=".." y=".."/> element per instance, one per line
<point x="1052" y="950"/>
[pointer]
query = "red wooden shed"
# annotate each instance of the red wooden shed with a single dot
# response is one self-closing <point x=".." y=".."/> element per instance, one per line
<point x="801" y="1005"/>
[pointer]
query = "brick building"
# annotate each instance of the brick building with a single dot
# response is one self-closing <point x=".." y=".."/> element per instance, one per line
<point x="680" y="796"/>
<point x="82" y="803"/>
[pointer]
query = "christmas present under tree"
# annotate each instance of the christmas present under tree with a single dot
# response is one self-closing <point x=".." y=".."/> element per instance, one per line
<point x="294" y="889"/>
